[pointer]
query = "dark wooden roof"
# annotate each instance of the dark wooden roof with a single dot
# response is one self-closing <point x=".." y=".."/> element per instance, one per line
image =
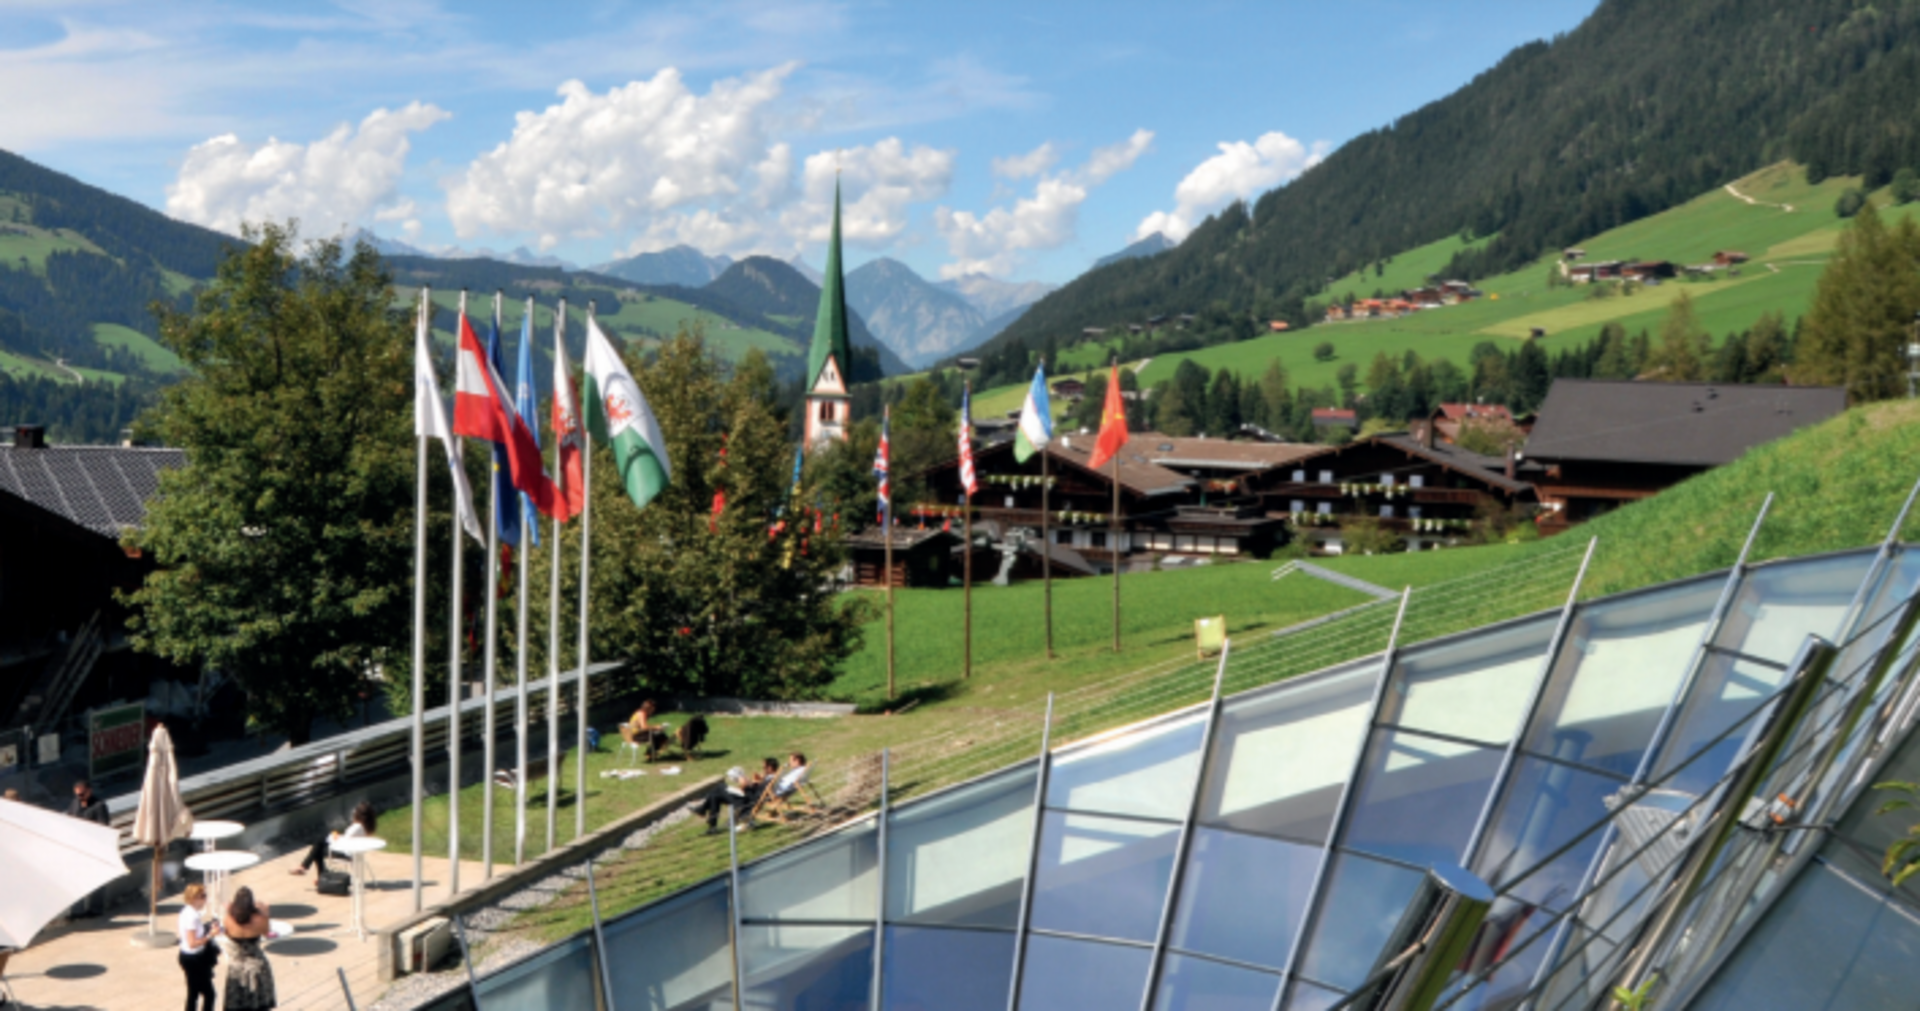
<point x="904" y="538"/>
<point x="1688" y="424"/>
<point x="103" y="489"/>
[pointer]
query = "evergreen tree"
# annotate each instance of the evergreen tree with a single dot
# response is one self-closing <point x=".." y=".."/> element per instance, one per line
<point x="1686" y="349"/>
<point x="1223" y="405"/>
<point x="1863" y="311"/>
<point x="1614" y="359"/>
<point x="1171" y="412"/>
<point x="1531" y="377"/>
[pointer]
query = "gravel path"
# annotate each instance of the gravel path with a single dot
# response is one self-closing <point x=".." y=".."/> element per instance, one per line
<point x="482" y="924"/>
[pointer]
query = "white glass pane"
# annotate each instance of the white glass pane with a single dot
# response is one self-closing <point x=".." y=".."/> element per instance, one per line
<point x="1546" y="806"/>
<point x="1195" y="984"/>
<point x="798" y="968"/>
<point x="1242" y="896"/>
<point x="560" y="978"/>
<point x="1103" y="876"/>
<point x="1148" y="773"/>
<point x="1828" y="943"/>
<point x="832" y="878"/>
<point x="1280" y="758"/>
<point x="674" y="955"/>
<point x="1617" y="674"/>
<point x="1477" y="689"/>
<point x="930" y="969"/>
<point x="1307" y="997"/>
<point x="1065" y="975"/>
<point x="1419" y="797"/>
<point x="1363" y="902"/>
<point x="1725" y="692"/>
<point x="959" y="858"/>
<point x="1779" y="605"/>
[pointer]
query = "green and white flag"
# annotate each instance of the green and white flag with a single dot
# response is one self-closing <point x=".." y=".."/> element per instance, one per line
<point x="618" y="414"/>
<point x="1036" y="419"/>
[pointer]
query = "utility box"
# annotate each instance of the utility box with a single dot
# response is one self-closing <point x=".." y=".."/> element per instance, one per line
<point x="424" y="944"/>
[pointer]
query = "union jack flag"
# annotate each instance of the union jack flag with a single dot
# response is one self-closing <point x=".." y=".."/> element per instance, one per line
<point x="880" y="468"/>
<point x="968" y="479"/>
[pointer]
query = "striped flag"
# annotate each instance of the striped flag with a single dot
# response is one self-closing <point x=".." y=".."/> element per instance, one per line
<point x="1036" y="419"/>
<point x="481" y="411"/>
<point x="880" y="470"/>
<point x="430" y="422"/>
<point x="968" y="479"/>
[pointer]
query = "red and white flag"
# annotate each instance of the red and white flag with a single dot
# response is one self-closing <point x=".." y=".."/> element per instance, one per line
<point x="567" y="432"/>
<point x="481" y="411"/>
<point x="430" y="422"/>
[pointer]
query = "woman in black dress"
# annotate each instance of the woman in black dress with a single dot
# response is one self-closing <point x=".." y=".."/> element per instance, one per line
<point x="249" y="977"/>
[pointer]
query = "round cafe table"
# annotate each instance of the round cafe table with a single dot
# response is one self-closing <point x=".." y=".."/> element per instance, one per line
<point x="216" y="866"/>
<point x="209" y="833"/>
<point x="356" y="848"/>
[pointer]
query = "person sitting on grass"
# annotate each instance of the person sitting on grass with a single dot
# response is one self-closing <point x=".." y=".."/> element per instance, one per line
<point x="361" y="824"/>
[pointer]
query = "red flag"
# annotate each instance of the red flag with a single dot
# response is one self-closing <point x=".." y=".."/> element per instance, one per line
<point x="480" y="411"/>
<point x="566" y="431"/>
<point x="1113" y="423"/>
<point x="719" y="506"/>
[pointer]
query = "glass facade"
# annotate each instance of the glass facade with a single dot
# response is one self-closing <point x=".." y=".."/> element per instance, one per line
<point x="1571" y="760"/>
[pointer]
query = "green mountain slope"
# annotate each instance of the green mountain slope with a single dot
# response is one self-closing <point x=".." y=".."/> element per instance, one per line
<point x="768" y="286"/>
<point x="1642" y="107"/>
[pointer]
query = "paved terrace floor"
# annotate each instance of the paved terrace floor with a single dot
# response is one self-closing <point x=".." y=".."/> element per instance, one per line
<point x="94" y="964"/>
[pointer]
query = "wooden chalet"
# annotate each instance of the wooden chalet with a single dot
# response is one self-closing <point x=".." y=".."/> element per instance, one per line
<point x="1599" y="443"/>
<point x="1335" y="417"/>
<point x="1447" y="419"/>
<point x="920" y="557"/>
<point x="1178" y="496"/>
<point x="1430" y="494"/>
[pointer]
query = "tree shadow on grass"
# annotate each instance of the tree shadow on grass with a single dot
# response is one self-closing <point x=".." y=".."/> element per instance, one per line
<point x="924" y="693"/>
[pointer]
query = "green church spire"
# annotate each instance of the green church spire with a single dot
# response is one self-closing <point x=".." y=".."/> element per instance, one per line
<point x="830" y="324"/>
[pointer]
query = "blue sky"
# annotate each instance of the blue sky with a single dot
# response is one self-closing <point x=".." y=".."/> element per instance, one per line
<point x="1017" y="139"/>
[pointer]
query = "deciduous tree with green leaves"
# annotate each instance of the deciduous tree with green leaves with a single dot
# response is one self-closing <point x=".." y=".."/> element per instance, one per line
<point x="1856" y="333"/>
<point x="284" y="545"/>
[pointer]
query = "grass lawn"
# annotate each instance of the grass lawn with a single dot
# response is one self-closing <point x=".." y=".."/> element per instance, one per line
<point x="25" y="242"/>
<point x="1424" y="568"/>
<point x="1408" y="269"/>
<point x="157" y="357"/>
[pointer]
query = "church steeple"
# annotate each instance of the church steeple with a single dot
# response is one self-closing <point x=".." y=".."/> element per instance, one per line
<point x="829" y="357"/>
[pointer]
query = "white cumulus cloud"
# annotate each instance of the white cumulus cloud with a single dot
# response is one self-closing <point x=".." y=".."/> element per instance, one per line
<point x="1239" y="171"/>
<point x="1021" y="166"/>
<point x="992" y="243"/>
<point x="658" y="164"/>
<point x="331" y="184"/>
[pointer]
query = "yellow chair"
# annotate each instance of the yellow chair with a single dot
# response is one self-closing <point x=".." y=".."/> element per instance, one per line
<point x="1210" y="634"/>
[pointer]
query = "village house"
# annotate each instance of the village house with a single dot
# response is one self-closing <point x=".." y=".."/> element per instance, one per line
<point x="1431" y="495"/>
<point x="921" y="557"/>
<point x="1598" y="444"/>
<point x="1335" y="417"/>
<point x="1448" y="418"/>
<point x="1070" y="388"/>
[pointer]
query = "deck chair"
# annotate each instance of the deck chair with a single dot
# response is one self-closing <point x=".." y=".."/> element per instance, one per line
<point x="773" y="806"/>
<point x="630" y="742"/>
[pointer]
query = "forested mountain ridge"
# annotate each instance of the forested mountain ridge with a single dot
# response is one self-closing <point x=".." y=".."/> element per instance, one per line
<point x="779" y="291"/>
<point x="1642" y="107"/>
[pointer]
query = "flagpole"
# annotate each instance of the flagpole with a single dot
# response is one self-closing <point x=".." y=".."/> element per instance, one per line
<point x="1113" y="524"/>
<point x="580" y="651"/>
<point x="490" y="659"/>
<point x="886" y="530"/>
<point x="966" y="552"/>
<point x="420" y="635"/>
<point x="553" y="619"/>
<point x="1046" y="544"/>
<point x="529" y="527"/>
<point x="456" y="677"/>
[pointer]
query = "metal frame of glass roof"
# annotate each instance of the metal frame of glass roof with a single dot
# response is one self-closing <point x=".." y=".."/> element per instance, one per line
<point x="1638" y="778"/>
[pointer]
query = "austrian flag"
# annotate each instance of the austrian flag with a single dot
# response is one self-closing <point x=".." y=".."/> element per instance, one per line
<point x="481" y="411"/>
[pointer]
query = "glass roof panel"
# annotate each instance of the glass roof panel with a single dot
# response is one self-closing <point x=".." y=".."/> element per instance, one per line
<point x="929" y="969"/>
<point x="1195" y="984"/>
<point x="1242" y="896"/>
<point x="1726" y="691"/>
<point x="1147" y="774"/>
<point x="831" y="878"/>
<point x="1105" y="877"/>
<point x="559" y="978"/>
<point x="1280" y="758"/>
<point x="1779" y="605"/>
<point x="1307" y="997"/>
<point x="1419" y="797"/>
<point x="1828" y="943"/>
<point x="675" y="951"/>
<point x="1362" y="904"/>
<point x="788" y="967"/>
<point x="1067" y="975"/>
<point x="1617" y="674"/>
<point x="1477" y="688"/>
<point x="1546" y="806"/>
<point x="959" y="858"/>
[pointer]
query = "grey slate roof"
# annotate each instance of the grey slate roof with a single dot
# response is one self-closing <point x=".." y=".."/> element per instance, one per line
<point x="1491" y="470"/>
<point x="1688" y="424"/>
<point x="102" y="488"/>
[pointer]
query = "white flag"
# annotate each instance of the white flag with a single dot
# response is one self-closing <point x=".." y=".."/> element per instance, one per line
<point x="430" y="422"/>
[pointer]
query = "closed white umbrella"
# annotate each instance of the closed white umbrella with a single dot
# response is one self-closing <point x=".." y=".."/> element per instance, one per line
<point x="161" y="818"/>
<point x="51" y="861"/>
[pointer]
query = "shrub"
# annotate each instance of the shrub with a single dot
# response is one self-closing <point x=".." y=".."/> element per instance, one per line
<point x="1365" y="536"/>
<point x="1323" y="351"/>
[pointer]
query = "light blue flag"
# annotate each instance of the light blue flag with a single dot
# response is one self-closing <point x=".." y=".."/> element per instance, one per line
<point x="523" y="402"/>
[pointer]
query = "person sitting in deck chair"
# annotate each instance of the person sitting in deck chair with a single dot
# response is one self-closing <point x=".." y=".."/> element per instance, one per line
<point x="738" y="791"/>
<point x="781" y="791"/>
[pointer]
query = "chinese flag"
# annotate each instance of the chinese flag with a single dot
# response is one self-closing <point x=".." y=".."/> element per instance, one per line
<point x="1113" y="423"/>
